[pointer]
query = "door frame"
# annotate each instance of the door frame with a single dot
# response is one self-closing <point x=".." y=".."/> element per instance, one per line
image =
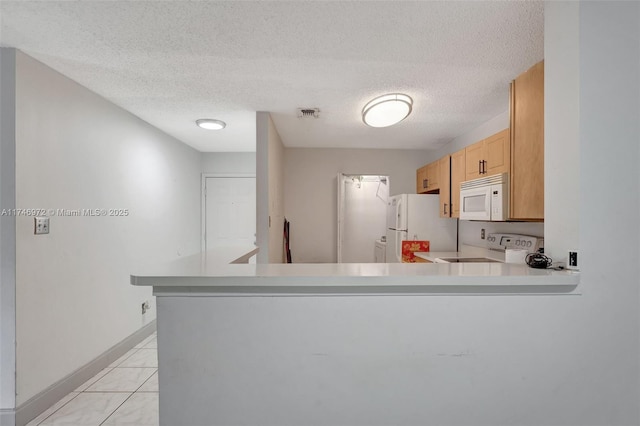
<point x="341" y="196"/>
<point x="203" y="201"/>
<point x="341" y="204"/>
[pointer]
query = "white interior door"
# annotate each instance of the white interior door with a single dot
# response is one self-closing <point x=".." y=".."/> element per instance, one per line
<point x="230" y="211"/>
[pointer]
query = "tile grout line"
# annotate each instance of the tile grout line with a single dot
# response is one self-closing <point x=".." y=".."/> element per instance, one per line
<point x="116" y="409"/>
<point x="123" y="402"/>
<point x="121" y="391"/>
<point x="136" y="366"/>
<point x="146" y="382"/>
<point x="59" y="408"/>
<point x="132" y="367"/>
<point x="134" y="352"/>
<point x="94" y="382"/>
<point x="132" y="393"/>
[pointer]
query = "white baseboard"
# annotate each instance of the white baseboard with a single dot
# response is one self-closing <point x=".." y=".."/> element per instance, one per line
<point x="54" y="393"/>
<point x="7" y="417"/>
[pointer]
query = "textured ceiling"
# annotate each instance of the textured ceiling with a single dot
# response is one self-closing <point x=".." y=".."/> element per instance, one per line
<point x="172" y="62"/>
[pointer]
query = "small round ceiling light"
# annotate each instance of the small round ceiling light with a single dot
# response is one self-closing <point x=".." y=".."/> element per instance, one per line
<point x="211" y="124"/>
<point x="387" y="110"/>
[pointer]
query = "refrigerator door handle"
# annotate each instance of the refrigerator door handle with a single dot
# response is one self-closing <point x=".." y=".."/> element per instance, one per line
<point x="400" y="235"/>
<point x="400" y="214"/>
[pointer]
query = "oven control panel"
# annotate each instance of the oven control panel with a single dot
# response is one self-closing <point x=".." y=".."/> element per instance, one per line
<point x="514" y="241"/>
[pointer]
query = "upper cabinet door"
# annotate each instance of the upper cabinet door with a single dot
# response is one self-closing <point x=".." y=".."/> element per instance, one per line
<point x="497" y="153"/>
<point x="421" y="180"/>
<point x="474" y="155"/>
<point x="444" y="182"/>
<point x="527" y="145"/>
<point x="457" y="176"/>
<point x="427" y="178"/>
<point x="433" y="176"/>
<point x="489" y="156"/>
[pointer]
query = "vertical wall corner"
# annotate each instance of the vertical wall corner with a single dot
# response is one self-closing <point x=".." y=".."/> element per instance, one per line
<point x="7" y="235"/>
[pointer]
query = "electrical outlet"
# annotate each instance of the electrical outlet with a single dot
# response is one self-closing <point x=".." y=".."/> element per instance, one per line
<point x="41" y="225"/>
<point x="482" y="234"/>
<point x="145" y="307"/>
<point x="572" y="259"/>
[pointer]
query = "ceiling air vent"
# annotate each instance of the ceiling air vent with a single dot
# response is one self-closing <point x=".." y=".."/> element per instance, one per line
<point x="308" y="112"/>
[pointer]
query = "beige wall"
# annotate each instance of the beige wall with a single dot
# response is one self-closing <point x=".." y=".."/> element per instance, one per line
<point x="486" y="129"/>
<point x="276" y="195"/>
<point x="311" y="191"/>
<point x="228" y="162"/>
<point x="269" y="190"/>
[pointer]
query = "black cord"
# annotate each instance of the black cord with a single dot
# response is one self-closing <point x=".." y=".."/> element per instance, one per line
<point x="538" y="261"/>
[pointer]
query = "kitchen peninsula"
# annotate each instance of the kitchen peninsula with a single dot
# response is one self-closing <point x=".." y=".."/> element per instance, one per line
<point x="292" y="344"/>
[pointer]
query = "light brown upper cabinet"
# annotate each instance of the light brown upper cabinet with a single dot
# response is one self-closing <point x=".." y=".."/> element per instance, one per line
<point x="498" y="152"/>
<point x="457" y="176"/>
<point x="433" y="176"/>
<point x="518" y="151"/>
<point x="473" y="160"/>
<point x="444" y="182"/>
<point x="527" y="145"/>
<point x="427" y="178"/>
<point x="488" y="157"/>
<point x="421" y="180"/>
<point x="450" y="172"/>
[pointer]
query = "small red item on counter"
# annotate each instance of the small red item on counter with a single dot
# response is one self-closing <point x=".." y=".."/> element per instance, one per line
<point x="410" y="247"/>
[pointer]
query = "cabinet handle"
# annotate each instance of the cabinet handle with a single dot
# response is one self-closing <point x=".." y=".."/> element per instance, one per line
<point x="484" y="167"/>
<point x="445" y="209"/>
<point x="479" y="167"/>
<point x="425" y="183"/>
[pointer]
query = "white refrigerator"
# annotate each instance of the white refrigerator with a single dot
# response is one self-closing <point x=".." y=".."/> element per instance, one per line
<point x="417" y="217"/>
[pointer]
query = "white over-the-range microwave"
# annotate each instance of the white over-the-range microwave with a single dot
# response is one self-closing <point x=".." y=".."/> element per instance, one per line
<point x="486" y="198"/>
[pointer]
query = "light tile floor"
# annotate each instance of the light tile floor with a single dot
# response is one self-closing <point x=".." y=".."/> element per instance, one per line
<point x="125" y="393"/>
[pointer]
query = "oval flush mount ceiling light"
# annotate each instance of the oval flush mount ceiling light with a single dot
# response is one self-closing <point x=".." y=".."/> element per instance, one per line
<point x="387" y="110"/>
<point x="211" y="124"/>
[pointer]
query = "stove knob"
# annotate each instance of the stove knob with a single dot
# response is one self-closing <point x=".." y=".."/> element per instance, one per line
<point x="528" y="243"/>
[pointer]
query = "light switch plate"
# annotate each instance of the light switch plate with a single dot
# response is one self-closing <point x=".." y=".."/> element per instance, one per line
<point x="41" y="225"/>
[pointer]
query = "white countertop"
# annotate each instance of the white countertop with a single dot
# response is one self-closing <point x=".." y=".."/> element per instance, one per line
<point x="465" y="251"/>
<point x="199" y="264"/>
<point x="208" y="274"/>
